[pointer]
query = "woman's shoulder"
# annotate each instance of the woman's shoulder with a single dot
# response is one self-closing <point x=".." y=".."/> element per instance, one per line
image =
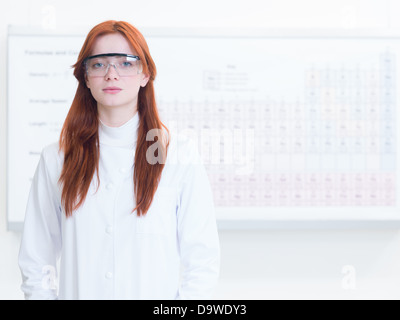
<point x="52" y="155"/>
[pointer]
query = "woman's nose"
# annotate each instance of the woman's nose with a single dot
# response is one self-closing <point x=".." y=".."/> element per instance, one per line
<point x="111" y="72"/>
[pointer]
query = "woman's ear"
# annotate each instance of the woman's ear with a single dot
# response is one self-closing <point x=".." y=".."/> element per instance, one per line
<point x="87" y="81"/>
<point x="144" y="80"/>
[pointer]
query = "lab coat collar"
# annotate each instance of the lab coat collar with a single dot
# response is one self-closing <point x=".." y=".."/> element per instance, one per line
<point x="124" y="136"/>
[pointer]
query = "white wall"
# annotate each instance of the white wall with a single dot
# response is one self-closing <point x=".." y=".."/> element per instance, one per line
<point x="263" y="264"/>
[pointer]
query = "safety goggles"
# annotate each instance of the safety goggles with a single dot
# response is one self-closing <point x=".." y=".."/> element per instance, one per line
<point x="125" y="64"/>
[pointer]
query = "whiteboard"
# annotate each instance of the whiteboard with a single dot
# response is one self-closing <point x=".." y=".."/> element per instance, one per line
<point x="295" y="129"/>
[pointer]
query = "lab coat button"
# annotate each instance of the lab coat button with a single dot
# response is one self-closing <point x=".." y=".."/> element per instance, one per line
<point x="109" y="275"/>
<point x="110" y="186"/>
<point x="109" y="230"/>
<point x="123" y="170"/>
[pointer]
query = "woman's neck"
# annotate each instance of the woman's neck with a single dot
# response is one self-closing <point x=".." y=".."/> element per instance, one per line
<point x="115" y="116"/>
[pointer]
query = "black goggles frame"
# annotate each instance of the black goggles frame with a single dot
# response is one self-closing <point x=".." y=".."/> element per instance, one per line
<point x="111" y="55"/>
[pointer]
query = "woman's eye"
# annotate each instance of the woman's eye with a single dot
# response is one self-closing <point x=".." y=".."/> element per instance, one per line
<point x="97" y="65"/>
<point x="126" y="64"/>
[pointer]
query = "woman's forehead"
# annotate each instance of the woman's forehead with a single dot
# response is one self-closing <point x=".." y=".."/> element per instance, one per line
<point x="113" y="42"/>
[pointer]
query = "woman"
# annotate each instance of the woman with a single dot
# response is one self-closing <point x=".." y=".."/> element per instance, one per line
<point x="122" y="219"/>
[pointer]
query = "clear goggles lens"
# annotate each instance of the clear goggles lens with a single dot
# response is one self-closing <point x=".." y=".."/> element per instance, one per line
<point x="124" y="64"/>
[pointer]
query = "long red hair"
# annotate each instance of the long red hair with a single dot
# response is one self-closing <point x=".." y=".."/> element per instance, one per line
<point x="79" y="139"/>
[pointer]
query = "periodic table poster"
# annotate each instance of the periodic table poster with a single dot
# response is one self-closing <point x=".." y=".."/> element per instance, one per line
<point x="290" y="124"/>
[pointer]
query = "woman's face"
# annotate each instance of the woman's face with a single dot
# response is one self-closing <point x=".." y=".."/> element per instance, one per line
<point x="111" y="90"/>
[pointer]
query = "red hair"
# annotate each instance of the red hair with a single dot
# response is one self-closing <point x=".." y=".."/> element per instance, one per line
<point x="79" y="139"/>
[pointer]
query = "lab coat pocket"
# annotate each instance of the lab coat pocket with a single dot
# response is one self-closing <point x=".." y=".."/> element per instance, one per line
<point x="160" y="219"/>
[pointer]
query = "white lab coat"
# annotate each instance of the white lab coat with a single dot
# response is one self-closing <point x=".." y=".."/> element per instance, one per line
<point x="106" y="252"/>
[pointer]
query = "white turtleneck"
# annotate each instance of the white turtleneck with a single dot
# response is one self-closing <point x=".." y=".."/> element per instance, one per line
<point x="122" y="136"/>
<point x="106" y="252"/>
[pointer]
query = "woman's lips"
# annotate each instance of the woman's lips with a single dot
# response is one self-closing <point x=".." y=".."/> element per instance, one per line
<point x="112" y="90"/>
